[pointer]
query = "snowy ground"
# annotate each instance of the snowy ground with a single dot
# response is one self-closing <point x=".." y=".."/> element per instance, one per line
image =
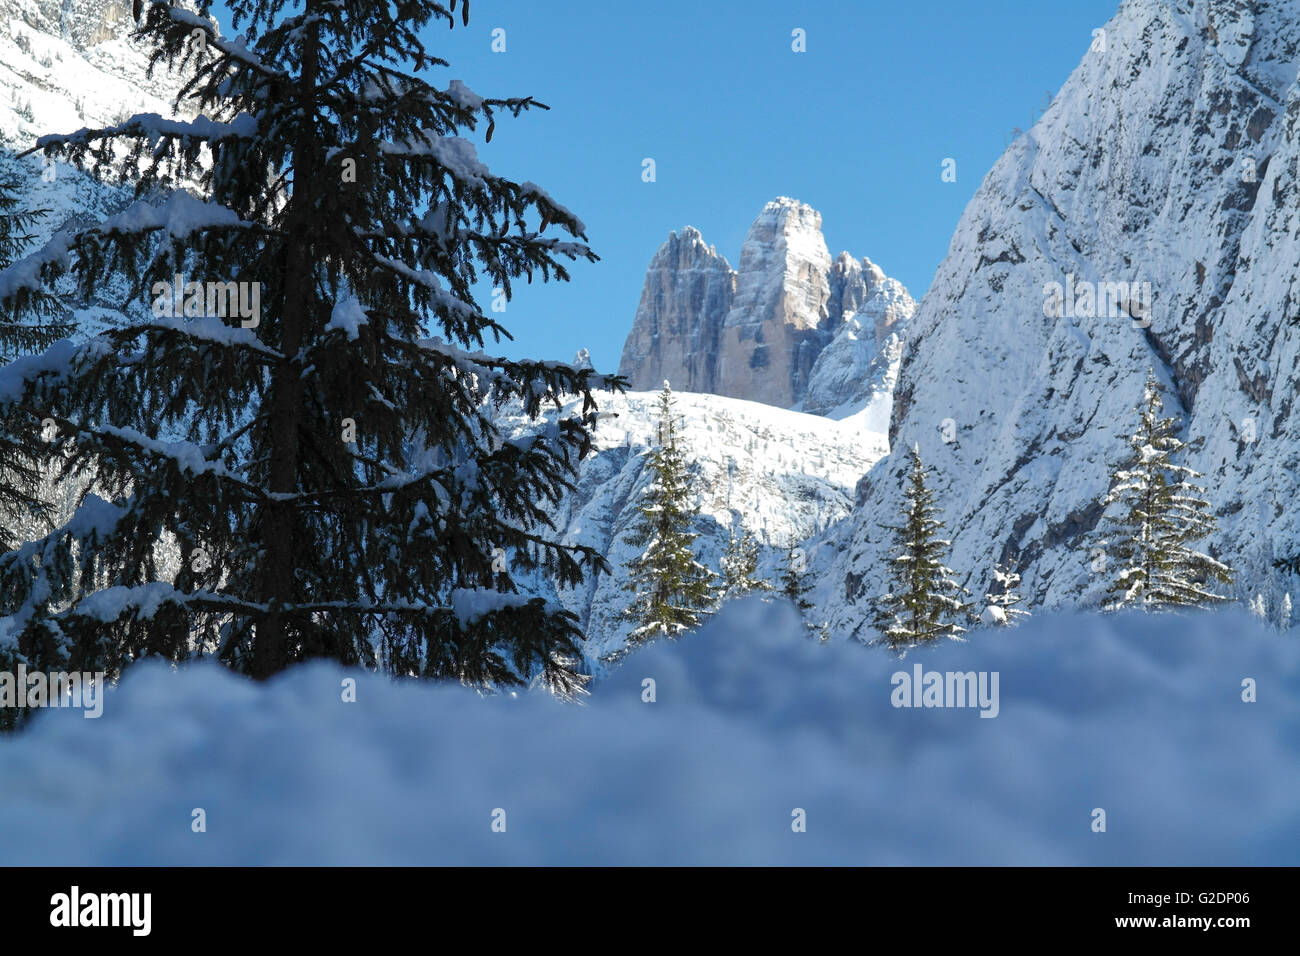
<point x="1139" y="715"/>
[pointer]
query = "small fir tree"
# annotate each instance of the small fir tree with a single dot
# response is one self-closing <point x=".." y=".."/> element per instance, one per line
<point x="925" y="602"/>
<point x="792" y="580"/>
<point x="1003" y="597"/>
<point x="793" y="585"/>
<point x="1155" y="511"/>
<point x="671" y="589"/>
<point x="740" y="565"/>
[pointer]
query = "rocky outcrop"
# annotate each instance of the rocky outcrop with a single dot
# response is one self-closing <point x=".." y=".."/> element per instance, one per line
<point x="65" y="65"/>
<point x="757" y="333"/>
<point x="687" y="294"/>
<point x="856" y="372"/>
<point x="85" y="23"/>
<point x="779" y="320"/>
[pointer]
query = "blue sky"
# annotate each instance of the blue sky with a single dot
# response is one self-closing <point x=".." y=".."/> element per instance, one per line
<point x="857" y="126"/>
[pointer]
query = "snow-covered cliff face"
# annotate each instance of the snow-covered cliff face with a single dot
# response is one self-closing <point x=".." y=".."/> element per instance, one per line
<point x="85" y="23"/>
<point x="65" y="65"/>
<point x="783" y="475"/>
<point x="758" y="332"/>
<point x="1170" y="157"/>
<point x="779" y="319"/>
<point x="857" y="371"/>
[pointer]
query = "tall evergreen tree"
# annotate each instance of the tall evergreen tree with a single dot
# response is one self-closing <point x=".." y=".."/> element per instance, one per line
<point x="924" y="603"/>
<point x="322" y="458"/>
<point x="1155" y="511"/>
<point x="671" y="589"/>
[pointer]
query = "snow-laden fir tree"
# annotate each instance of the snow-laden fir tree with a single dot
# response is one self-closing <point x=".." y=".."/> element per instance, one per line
<point x="924" y="603"/>
<point x="1154" y="514"/>
<point x="1258" y="608"/>
<point x="295" y="447"/>
<point x="793" y="584"/>
<point x="740" y="565"/>
<point x="671" y="590"/>
<point x="1284" y="618"/>
<point x="1003" y="596"/>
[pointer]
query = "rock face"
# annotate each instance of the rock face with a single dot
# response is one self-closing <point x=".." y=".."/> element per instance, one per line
<point x="85" y="23"/>
<point x="855" y="373"/>
<point x="1170" y="157"/>
<point x="65" y="65"/>
<point x="780" y="319"/>
<point x="688" y="293"/>
<point x="757" y="333"/>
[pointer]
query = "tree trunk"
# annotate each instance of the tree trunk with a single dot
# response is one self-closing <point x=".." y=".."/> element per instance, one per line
<point x="271" y="652"/>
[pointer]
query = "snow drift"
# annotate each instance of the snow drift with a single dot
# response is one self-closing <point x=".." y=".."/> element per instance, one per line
<point x="1140" y="715"/>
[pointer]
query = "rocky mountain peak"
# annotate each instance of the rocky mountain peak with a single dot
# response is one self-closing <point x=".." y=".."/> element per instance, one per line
<point x="688" y="292"/>
<point x="756" y="333"/>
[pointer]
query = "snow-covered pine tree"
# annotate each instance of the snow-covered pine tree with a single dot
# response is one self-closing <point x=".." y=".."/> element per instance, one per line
<point x="1003" y="596"/>
<point x="924" y="603"/>
<point x="793" y="586"/>
<point x="1154" y="511"/>
<point x="311" y="429"/>
<point x="671" y="590"/>
<point x="740" y="565"/>
<point x="1284" y="618"/>
<point x="1257" y="607"/>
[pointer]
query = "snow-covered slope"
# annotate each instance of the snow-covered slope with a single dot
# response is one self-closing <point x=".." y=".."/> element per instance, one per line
<point x="65" y="65"/>
<point x="781" y="474"/>
<point x="1170" y="157"/>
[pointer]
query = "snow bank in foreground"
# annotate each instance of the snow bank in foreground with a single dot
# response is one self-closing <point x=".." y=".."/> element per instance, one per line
<point x="1139" y="715"/>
